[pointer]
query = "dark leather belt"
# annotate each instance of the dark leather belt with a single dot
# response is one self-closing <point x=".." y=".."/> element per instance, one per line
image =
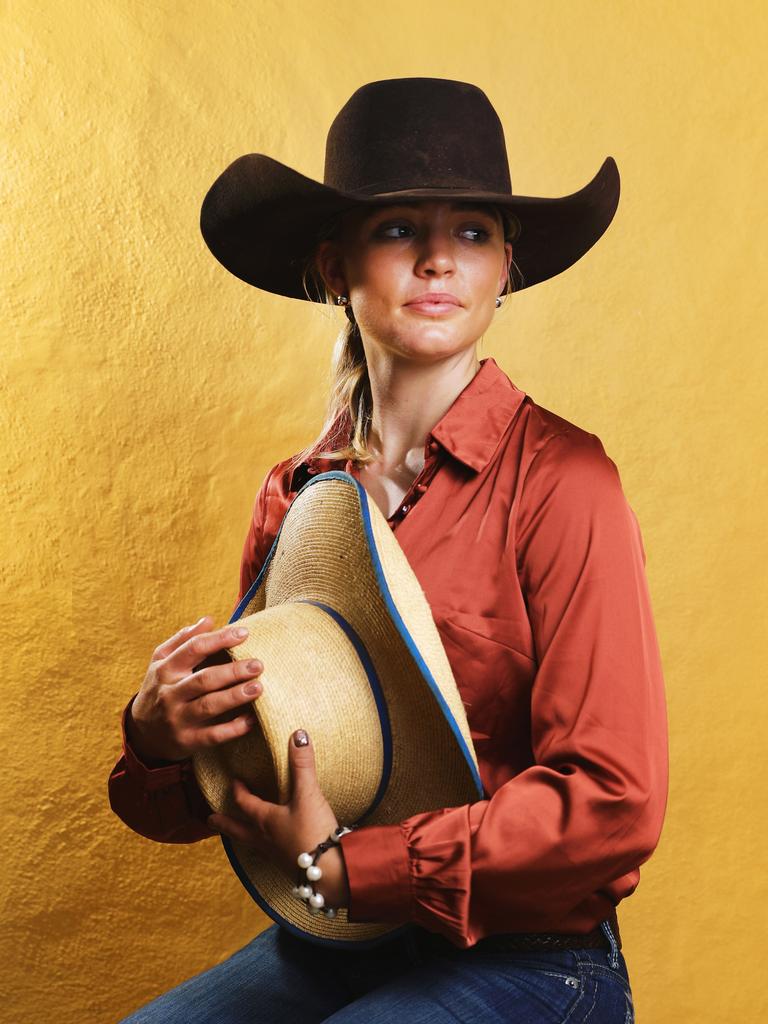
<point x="525" y="942"/>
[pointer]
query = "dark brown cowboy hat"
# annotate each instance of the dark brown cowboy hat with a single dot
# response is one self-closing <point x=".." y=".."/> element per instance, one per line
<point x="395" y="140"/>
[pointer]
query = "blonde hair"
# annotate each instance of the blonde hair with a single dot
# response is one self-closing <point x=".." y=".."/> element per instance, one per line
<point x="350" y="402"/>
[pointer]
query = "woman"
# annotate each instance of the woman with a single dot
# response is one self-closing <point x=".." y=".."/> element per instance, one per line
<point x="515" y="523"/>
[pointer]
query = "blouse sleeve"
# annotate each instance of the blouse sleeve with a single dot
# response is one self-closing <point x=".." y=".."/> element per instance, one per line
<point x="161" y="800"/>
<point x="259" y="538"/>
<point x="590" y="809"/>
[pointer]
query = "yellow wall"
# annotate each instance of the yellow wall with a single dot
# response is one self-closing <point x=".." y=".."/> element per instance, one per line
<point x="147" y="391"/>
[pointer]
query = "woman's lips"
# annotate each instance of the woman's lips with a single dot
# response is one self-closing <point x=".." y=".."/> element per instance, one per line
<point x="432" y="307"/>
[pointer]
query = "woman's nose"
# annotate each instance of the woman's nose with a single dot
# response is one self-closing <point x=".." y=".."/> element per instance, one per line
<point x="435" y="251"/>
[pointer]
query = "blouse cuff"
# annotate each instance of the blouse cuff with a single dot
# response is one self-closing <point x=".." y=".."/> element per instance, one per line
<point x="377" y="864"/>
<point x="149" y="773"/>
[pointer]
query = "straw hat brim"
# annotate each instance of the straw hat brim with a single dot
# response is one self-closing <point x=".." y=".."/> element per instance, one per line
<point x="338" y="570"/>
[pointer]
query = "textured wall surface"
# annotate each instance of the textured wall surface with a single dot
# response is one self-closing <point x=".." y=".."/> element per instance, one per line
<point x="146" y="391"/>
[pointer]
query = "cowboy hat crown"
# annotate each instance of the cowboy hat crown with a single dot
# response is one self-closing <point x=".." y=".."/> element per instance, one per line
<point x="411" y="134"/>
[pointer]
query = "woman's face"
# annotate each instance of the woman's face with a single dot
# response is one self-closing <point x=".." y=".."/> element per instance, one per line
<point x="388" y="256"/>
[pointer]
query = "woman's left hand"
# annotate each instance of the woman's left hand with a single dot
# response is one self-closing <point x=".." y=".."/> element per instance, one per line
<point x="282" y="831"/>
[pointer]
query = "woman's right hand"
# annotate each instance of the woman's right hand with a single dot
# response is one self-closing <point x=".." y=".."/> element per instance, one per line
<point x="178" y="710"/>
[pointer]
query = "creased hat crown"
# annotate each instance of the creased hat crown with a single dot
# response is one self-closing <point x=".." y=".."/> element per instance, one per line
<point x="403" y="133"/>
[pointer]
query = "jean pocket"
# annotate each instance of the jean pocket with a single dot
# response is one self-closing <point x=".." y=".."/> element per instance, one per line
<point x="597" y="965"/>
<point x="613" y="996"/>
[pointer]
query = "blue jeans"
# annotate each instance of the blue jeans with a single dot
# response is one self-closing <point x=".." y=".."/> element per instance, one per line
<point x="278" y="977"/>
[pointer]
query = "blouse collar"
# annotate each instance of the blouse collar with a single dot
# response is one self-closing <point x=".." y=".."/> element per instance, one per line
<point x="471" y="429"/>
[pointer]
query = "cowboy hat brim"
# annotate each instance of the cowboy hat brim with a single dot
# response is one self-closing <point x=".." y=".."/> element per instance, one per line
<point x="261" y="220"/>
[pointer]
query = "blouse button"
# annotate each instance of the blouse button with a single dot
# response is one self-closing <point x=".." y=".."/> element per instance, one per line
<point x="421" y="488"/>
<point x="433" y="446"/>
<point x="404" y="508"/>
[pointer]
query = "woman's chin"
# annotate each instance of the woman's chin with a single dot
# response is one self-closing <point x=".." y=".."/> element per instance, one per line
<point x="427" y="344"/>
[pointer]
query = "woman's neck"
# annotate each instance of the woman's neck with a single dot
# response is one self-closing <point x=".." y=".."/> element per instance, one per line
<point x="408" y="400"/>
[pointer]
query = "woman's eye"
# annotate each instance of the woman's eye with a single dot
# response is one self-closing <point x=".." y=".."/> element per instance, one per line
<point x="481" y="233"/>
<point x="387" y="228"/>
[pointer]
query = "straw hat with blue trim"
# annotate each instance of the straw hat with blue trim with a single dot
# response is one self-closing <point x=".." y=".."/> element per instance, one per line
<point x="351" y="652"/>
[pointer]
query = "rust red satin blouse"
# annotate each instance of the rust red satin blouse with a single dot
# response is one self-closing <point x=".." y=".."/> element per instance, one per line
<point x="533" y="563"/>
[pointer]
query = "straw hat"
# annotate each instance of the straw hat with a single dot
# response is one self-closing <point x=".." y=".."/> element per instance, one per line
<point x="350" y="651"/>
<point x="395" y="140"/>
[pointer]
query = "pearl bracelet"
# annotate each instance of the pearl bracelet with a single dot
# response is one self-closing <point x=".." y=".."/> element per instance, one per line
<point x="304" y="890"/>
